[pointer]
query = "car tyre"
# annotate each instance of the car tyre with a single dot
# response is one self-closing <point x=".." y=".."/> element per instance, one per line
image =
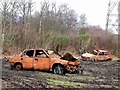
<point x="80" y="72"/>
<point x="109" y="59"/>
<point x="18" y="67"/>
<point x="93" y="60"/>
<point x="59" y="70"/>
<point x="11" y="67"/>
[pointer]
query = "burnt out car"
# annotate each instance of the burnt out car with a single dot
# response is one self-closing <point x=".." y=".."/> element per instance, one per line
<point x="39" y="59"/>
<point x="97" y="55"/>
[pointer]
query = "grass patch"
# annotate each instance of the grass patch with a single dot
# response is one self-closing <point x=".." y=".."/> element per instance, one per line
<point x="53" y="76"/>
<point x="70" y="78"/>
<point x="64" y="83"/>
<point x="86" y="78"/>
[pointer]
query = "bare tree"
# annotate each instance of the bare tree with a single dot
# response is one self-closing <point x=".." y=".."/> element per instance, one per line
<point x="82" y="23"/>
<point x="119" y="29"/>
<point x="26" y="8"/>
<point x="4" y="10"/>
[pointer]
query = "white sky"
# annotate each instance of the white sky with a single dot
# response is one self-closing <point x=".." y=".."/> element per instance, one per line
<point x="95" y="10"/>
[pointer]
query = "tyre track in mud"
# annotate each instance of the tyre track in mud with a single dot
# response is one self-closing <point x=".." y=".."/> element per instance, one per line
<point x="20" y="79"/>
<point x="23" y="81"/>
<point x="106" y="72"/>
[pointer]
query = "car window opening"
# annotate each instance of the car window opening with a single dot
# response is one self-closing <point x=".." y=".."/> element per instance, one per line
<point x="28" y="53"/>
<point x="101" y="53"/>
<point x="40" y="54"/>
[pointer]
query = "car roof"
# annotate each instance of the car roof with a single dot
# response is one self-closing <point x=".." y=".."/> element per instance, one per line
<point x="35" y="49"/>
<point x="103" y="51"/>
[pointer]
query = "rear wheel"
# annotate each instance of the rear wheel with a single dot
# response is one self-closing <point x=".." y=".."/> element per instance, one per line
<point x="18" y="67"/>
<point x="58" y="70"/>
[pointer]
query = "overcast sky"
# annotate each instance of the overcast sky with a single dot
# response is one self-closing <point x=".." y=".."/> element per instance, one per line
<point x="95" y="10"/>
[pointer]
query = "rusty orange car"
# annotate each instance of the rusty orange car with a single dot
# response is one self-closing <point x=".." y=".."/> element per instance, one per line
<point x="40" y="59"/>
<point x="97" y="55"/>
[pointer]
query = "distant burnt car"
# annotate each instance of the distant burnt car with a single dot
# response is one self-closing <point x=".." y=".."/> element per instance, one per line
<point x="98" y="55"/>
<point x="39" y="59"/>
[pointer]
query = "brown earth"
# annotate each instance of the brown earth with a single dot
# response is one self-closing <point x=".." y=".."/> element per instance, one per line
<point x="95" y="75"/>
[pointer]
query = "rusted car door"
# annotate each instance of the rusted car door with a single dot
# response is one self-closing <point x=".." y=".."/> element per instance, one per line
<point x="101" y="56"/>
<point x="41" y="61"/>
<point x="27" y="59"/>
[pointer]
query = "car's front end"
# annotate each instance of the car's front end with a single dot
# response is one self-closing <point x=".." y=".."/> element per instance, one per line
<point x="73" y="66"/>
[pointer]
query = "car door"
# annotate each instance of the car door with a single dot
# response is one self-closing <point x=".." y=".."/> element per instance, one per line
<point x="100" y="56"/>
<point x="41" y="61"/>
<point x="27" y="59"/>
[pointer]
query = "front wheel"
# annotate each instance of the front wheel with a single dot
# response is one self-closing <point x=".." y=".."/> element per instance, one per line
<point x="58" y="70"/>
<point x="93" y="60"/>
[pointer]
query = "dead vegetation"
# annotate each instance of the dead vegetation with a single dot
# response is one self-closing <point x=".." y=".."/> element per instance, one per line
<point x="52" y="27"/>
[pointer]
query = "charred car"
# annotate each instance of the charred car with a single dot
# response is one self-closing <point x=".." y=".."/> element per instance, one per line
<point x="39" y="59"/>
<point x="97" y="55"/>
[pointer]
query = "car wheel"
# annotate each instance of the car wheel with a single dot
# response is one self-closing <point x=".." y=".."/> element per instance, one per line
<point x="18" y="67"/>
<point x="77" y="72"/>
<point x="109" y="59"/>
<point x="80" y="72"/>
<point x="58" y="70"/>
<point x="93" y="60"/>
<point x="11" y="67"/>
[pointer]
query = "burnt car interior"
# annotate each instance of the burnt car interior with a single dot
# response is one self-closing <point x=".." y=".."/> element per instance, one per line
<point x="54" y="54"/>
<point x="28" y="53"/>
<point x="103" y="53"/>
<point x="40" y="54"/>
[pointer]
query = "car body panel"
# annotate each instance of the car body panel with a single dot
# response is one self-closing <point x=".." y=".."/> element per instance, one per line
<point x="39" y="59"/>
<point x="98" y="55"/>
<point x="42" y="64"/>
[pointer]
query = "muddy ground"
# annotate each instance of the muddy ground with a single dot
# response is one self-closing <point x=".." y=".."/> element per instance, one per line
<point x="95" y="75"/>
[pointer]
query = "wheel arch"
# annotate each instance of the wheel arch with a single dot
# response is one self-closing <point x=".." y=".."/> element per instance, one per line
<point x="55" y="64"/>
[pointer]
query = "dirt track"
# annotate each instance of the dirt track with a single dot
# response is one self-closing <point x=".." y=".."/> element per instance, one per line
<point x="96" y="75"/>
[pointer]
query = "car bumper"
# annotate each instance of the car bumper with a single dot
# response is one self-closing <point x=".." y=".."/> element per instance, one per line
<point x="72" y="69"/>
<point x="11" y="63"/>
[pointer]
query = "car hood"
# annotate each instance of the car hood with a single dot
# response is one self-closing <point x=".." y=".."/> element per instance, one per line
<point x="8" y="57"/>
<point x="69" y="57"/>
<point x="11" y="57"/>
